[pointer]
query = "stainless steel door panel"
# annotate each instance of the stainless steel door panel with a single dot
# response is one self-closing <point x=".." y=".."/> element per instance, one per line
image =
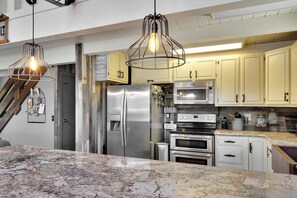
<point x="186" y="142"/>
<point x="138" y="121"/>
<point x="115" y="97"/>
<point x="192" y="157"/>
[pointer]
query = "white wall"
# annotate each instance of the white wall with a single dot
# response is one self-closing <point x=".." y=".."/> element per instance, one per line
<point x="19" y="132"/>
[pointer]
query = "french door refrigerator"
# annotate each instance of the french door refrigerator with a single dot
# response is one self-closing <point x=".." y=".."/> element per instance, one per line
<point x="134" y="120"/>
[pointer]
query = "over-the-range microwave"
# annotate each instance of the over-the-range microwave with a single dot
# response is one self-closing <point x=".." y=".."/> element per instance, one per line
<point x="198" y="92"/>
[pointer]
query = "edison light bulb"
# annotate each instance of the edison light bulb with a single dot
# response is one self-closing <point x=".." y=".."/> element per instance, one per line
<point x="154" y="42"/>
<point x="33" y="63"/>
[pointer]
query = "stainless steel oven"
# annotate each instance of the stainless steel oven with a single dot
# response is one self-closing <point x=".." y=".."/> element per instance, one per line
<point x="189" y="142"/>
<point x="192" y="157"/>
<point x="193" y="141"/>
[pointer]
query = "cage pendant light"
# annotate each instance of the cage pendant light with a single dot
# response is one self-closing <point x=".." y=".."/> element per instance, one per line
<point x="32" y="66"/>
<point x="155" y="49"/>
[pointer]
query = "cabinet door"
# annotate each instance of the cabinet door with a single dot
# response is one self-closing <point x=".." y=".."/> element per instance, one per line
<point x="258" y="154"/>
<point x="204" y="69"/>
<point x="277" y="76"/>
<point x="293" y="91"/>
<point x="228" y="81"/>
<point x="142" y="76"/>
<point x="123" y="68"/>
<point x="252" y="80"/>
<point x="113" y="66"/>
<point x="184" y="72"/>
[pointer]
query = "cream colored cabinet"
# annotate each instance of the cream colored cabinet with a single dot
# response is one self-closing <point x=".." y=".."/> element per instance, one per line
<point x="293" y="92"/>
<point x="240" y="84"/>
<point x="183" y="73"/>
<point x="117" y="68"/>
<point x="199" y="69"/>
<point x="252" y="79"/>
<point x="277" y="77"/>
<point x="111" y="67"/>
<point x="143" y="76"/>
<point x="227" y="84"/>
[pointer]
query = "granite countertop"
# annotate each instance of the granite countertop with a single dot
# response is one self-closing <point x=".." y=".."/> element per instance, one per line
<point x="277" y="138"/>
<point x="37" y="172"/>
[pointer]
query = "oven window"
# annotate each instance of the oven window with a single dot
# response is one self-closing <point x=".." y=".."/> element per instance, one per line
<point x="191" y="160"/>
<point x="200" y="144"/>
<point x="191" y="94"/>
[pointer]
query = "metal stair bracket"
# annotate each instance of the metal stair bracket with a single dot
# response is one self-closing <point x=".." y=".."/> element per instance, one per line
<point x="61" y="3"/>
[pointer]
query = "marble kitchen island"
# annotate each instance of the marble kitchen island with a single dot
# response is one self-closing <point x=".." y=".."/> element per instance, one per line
<point x="27" y="171"/>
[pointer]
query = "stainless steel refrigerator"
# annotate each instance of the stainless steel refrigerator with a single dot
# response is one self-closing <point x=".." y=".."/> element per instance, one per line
<point x="134" y="120"/>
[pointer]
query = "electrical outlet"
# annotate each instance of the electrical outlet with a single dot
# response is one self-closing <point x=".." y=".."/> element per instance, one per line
<point x="249" y="116"/>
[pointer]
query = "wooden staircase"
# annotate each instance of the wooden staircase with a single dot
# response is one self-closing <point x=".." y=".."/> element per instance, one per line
<point x="12" y="96"/>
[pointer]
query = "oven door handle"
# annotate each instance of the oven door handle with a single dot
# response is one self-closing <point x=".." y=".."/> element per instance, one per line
<point x="182" y="154"/>
<point x="194" y="138"/>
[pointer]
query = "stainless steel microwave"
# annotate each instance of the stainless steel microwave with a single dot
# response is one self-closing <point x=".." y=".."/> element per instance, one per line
<point x="198" y="92"/>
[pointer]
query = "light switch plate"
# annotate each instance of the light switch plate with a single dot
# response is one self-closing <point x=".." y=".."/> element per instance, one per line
<point x="249" y="116"/>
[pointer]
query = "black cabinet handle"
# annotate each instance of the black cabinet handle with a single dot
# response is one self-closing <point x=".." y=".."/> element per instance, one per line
<point x="150" y="81"/>
<point x="285" y="96"/>
<point x="229" y="141"/>
<point x="196" y="74"/>
<point x="229" y="155"/>
<point x="119" y="74"/>
<point x="251" y="147"/>
<point x="243" y="97"/>
<point x="236" y="98"/>
<point x="190" y="74"/>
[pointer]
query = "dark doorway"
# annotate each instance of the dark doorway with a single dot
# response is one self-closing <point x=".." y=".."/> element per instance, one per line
<point x="65" y="108"/>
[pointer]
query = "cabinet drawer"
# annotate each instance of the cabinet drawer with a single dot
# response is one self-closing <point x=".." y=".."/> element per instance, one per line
<point x="229" y="141"/>
<point x="229" y="155"/>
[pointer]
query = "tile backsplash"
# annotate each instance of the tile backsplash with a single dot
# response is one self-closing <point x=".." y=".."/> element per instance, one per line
<point x="281" y="112"/>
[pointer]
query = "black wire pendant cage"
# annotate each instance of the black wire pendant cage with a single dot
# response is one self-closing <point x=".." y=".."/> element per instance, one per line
<point x="32" y="66"/>
<point x="156" y="50"/>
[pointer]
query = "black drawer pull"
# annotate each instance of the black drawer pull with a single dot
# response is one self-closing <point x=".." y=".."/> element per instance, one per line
<point x="229" y="141"/>
<point x="229" y="155"/>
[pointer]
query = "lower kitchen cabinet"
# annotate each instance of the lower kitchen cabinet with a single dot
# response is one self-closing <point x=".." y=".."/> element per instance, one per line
<point x="257" y="152"/>
<point x="242" y="152"/>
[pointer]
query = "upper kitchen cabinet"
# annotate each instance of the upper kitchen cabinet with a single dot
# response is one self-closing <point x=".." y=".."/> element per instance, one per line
<point x="293" y="91"/>
<point x="117" y="68"/>
<point x="111" y="67"/>
<point x="277" y="77"/>
<point x="200" y="69"/>
<point x="144" y="76"/>
<point x="227" y="83"/>
<point x="252" y="79"/>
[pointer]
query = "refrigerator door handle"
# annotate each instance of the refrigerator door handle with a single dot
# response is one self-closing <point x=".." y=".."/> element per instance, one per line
<point x="122" y="121"/>
<point x="125" y="120"/>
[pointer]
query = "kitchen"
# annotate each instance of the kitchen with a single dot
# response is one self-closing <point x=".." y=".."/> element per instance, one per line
<point x="64" y="52"/>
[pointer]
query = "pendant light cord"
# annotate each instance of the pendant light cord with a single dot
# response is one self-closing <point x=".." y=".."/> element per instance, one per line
<point x="33" y="40"/>
<point x="155" y="14"/>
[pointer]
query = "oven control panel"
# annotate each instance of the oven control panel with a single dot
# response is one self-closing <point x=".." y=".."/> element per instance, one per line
<point x="209" y="118"/>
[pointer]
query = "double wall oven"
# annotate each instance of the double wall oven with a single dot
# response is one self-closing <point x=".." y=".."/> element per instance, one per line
<point x="193" y="141"/>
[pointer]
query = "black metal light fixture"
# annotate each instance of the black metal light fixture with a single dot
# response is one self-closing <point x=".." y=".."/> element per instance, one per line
<point x="155" y="49"/>
<point x="32" y="66"/>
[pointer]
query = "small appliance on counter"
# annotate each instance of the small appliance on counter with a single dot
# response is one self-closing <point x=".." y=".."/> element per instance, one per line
<point x="291" y="124"/>
<point x="272" y="118"/>
<point x="261" y="121"/>
<point x="237" y="123"/>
